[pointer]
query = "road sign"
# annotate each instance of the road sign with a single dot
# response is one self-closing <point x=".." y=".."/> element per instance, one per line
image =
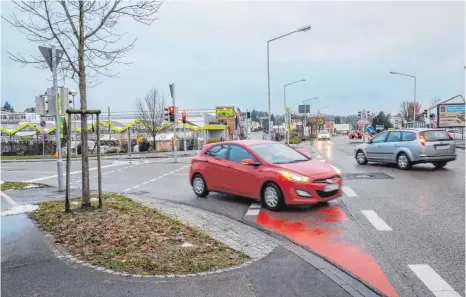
<point x="379" y="127"/>
<point x="304" y="108"/>
<point x="432" y="116"/>
<point x="47" y="53"/>
<point x="43" y="123"/>
<point x="320" y="121"/>
<point x="370" y="129"/>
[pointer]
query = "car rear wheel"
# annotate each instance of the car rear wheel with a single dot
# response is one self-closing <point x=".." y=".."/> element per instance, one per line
<point x="403" y="162"/>
<point x="361" y="158"/>
<point x="272" y="197"/>
<point x="200" y="186"/>
<point x="440" y="164"/>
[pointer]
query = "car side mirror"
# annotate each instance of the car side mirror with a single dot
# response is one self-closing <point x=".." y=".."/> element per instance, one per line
<point x="369" y="142"/>
<point x="249" y="162"/>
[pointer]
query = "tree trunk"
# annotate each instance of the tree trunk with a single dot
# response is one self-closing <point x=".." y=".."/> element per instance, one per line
<point x="86" y="199"/>
<point x="153" y="137"/>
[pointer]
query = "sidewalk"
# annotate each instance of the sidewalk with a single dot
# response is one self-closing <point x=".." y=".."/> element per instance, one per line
<point x="460" y="143"/>
<point x="31" y="266"/>
<point x="134" y="156"/>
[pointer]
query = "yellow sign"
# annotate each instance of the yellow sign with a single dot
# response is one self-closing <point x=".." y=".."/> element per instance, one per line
<point x="225" y="112"/>
<point x="320" y="122"/>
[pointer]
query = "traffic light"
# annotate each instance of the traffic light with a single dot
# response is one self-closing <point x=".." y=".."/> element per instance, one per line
<point x="171" y="113"/>
<point x="425" y="113"/>
<point x="248" y="115"/>
<point x="183" y="117"/>
<point x="368" y="113"/>
<point x="166" y="115"/>
<point x="359" y="114"/>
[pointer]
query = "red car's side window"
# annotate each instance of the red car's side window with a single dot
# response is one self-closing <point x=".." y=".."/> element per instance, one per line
<point x="217" y="151"/>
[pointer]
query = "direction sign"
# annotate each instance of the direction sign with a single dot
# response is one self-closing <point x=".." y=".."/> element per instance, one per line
<point x="305" y="108"/>
<point x="379" y="127"/>
<point x="370" y="129"/>
<point x="320" y="121"/>
<point x="47" y="53"/>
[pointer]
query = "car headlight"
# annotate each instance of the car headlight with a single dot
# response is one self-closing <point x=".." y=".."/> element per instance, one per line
<point x="337" y="170"/>
<point x="294" y="177"/>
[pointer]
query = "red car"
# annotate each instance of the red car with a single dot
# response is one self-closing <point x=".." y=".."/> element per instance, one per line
<point x="273" y="173"/>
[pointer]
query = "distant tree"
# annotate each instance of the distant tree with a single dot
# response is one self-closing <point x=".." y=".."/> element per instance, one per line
<point x="30" y="109"/>
<point x="434" y="101"/>
<point x="382" y="119"/>
<point x="254" y="115"/>
<point x="272" y="118"/>
<point x="337" y="120"/>
<point x="151" y="112"/>
<point x="407" y="108"/>
<point x="7" y="107"/>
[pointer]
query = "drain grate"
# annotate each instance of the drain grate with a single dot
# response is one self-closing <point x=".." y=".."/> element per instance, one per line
<point x="374" y="175"/>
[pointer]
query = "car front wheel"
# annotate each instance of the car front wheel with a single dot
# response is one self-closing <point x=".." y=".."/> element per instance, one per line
<point x="200" y="186"/>
<point x="272" y="197"/>
<point x="361" y="158"/>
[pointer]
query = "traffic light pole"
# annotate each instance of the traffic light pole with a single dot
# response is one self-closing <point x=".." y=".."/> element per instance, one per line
<point x="184" y="137"/>
<point x="61" y="186"/>
<point x="175" y="123"/>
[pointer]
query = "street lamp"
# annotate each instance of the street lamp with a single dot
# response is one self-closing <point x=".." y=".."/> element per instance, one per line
<point x="303" y="29"/>
<point x="73" y="93"/>
<point x="404" y="74"/>
<point x="284" y="103"/>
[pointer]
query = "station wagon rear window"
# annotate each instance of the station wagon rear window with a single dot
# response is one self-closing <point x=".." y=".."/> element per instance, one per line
<point x="437" y="135"/>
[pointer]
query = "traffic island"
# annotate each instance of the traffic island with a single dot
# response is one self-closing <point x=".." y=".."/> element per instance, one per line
<point x="7" y="185"/>
<point x="125" y="237"/>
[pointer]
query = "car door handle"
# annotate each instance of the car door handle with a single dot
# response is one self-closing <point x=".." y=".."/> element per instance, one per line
<point x="228" y="166"/>
<point x="205" y="161"/>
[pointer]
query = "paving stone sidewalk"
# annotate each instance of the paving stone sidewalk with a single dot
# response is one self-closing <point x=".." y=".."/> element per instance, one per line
<point x="234" y="234"/>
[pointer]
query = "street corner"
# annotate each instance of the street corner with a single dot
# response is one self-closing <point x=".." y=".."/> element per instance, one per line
<point x="331" y="233"/>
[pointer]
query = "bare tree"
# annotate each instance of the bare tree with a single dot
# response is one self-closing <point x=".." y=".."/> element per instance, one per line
<point x="435" y="101"/>
<point x="86" y="32"/>
<point x="407" y="108"/>
<point x="151" y="113"/>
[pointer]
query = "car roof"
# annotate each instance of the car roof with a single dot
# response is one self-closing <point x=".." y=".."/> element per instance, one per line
<point x="418" y="129"/>
<point x="248" y="142"/>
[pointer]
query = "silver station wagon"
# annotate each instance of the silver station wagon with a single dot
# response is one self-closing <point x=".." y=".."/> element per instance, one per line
<point x="407" y="147"/>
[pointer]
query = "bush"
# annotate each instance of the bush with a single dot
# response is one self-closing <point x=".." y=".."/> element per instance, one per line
<point x="144" y="145"/>
<point x="213" y="140"/>
<point x="295" y="140"/>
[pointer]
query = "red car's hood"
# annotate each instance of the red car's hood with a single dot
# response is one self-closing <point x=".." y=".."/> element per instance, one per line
<point x="309" y="168"/>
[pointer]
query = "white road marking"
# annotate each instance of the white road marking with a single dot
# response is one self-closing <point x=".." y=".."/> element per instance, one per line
<point x="376" y="221"/>
<point x="322" y="161"/>
<point x="349" y="192"/>
<point x="73" y="172"/>
<point x="19" y="209"/>
<point x="8" y="198"/>
<point x="319" y="156"/>
<point x="253" y="212"/>
<point x="154" y="179"/>
<point x="434" y="282"/>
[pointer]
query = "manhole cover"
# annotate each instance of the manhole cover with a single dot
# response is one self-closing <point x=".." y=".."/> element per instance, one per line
<point x="376" y="175"/>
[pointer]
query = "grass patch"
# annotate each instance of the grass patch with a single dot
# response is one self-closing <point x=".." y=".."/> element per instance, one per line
<point x="18" y="185"/>
<point x="126" y="236"/>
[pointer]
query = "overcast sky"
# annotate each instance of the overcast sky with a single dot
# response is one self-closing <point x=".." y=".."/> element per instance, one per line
<point x="215" y="53"/>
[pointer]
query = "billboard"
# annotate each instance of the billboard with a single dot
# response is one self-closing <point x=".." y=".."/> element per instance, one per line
<point x="450" y="115"/>
<point x="342" y="127"/>
<point x="304" y="108"/>
<point x="225" y="112"/>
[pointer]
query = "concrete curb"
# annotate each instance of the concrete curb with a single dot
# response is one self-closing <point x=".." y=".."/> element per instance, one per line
<point x="349" y="282"/>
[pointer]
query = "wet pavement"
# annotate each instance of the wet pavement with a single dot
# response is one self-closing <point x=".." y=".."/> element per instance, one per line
<point x="419" y="214"/>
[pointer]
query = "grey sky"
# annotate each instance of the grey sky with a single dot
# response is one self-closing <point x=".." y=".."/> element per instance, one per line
<point x="215" y="52"/>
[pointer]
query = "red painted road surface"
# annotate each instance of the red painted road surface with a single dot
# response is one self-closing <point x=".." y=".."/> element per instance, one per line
<point x="321" y="229"/>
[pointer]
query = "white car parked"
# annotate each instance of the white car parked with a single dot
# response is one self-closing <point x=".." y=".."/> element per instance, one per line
<point x="323" y="135"/>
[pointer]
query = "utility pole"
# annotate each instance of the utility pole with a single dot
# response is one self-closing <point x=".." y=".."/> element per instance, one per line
<point x="175" y="123"/>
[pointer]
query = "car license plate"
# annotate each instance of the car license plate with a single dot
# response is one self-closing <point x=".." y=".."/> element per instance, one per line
<point x="443" y="147"/>
<point x="331" y="188"/>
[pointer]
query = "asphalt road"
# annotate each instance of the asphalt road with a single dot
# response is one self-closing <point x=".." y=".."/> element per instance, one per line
<point x="420" y="213"/>
<point x="424" y="208"/>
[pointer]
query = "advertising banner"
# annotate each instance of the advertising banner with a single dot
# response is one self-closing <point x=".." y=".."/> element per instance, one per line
<point x="225" y="112"/>
<point x="451" y="115"/>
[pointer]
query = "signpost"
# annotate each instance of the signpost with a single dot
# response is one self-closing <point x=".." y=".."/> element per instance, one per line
<point x="175" y="123"/>
<point x="52" y="57"/>
<point x="379" y="127"/>
<point x="370" y="129"/>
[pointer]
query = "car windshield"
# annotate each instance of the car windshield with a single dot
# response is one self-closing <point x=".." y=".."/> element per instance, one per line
<point x="324" y="132"/>
<point x="277" y="153"/>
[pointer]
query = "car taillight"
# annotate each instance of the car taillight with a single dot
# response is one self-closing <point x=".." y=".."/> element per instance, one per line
<point x="422" y="139"/>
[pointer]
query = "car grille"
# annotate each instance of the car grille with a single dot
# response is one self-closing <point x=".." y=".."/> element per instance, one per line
<point x="324" y="180"/>
<point x="323" y="194"/>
